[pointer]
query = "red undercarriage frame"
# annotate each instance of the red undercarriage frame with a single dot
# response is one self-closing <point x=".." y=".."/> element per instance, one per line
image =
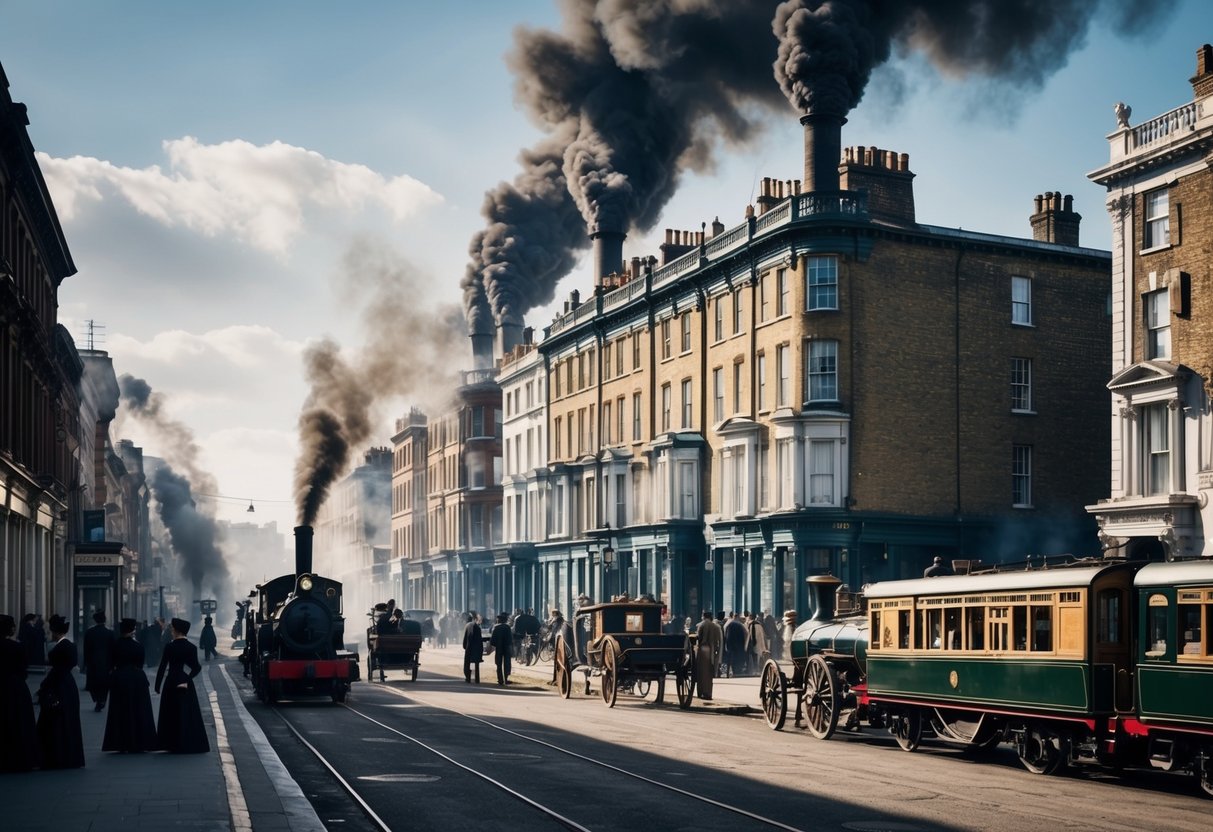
<point x="298" y="669"/>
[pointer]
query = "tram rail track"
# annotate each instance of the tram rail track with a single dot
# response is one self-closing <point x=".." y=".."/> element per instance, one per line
<point x="551" y="813"/>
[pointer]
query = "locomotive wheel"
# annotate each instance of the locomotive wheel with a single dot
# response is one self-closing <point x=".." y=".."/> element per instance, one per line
<point x="610" y="673"/>
<point x="820" y="698"/>
<point x="1039" y="753"/>
<point x="773" y="694"/>
<point x="906" y="728"/>
<point x="564" y="676"/>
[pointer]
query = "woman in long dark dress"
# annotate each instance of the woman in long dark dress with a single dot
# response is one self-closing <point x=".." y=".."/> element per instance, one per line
<point x="129" y="727"/>
<point x="180" y="729"/>
<point x="59" y="704"/>
<point x="18" y="734"/>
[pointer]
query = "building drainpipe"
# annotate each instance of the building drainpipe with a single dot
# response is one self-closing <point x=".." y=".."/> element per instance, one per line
<point x="956" y="366"/>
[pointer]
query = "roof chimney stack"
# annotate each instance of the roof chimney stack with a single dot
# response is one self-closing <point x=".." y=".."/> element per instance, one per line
<point x="1202" y="81"/>
<point x="608" y="253"/>
<point x="1054" y="219"/>
<point x="822" y="150"/>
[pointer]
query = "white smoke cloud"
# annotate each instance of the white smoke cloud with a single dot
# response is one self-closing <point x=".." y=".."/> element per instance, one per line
<point x="259" y="194"/>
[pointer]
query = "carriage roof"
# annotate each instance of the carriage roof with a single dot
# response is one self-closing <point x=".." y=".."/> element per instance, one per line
<point x="1061" y="576"/>
<point x="1174" y="573"/>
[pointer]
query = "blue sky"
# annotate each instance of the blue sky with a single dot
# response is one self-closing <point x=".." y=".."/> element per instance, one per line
<point x="169" y="127"/>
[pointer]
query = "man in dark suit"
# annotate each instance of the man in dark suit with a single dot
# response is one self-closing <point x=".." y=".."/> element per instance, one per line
<point x="473" y="648"/>
<point x="98" y="659"/>
<point x="502" y="639"/>
<point x="734" y="645"/>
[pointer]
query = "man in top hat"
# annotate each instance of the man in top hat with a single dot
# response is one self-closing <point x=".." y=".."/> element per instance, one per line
<point x="98" y="659"/>
<point x="502" y="640"/>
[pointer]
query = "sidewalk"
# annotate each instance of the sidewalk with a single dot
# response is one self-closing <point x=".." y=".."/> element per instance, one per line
<point x="226" y="789"/>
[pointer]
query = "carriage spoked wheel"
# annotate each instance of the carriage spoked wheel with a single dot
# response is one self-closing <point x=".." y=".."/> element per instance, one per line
<point x="906" y="728"/>
<point x="1039" y="753"/>
<point x="564" y="675"/>
<point x="610" y="673"/>
<point x="642" y="688"/>
<point x="820" y="698"/>
<point x="773" y="694"/>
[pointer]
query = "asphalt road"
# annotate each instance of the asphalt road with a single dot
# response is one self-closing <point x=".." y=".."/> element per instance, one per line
<point x="410" y="750"/>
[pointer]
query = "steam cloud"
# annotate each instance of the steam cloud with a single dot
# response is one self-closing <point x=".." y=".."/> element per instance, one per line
<point x="634" y="92"/>
<point x="193" y="535"/>
<point x="408" y="352"/>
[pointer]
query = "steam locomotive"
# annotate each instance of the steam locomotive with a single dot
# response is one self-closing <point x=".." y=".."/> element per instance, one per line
<point x="1092" y="661"/>
<point x="295" y="634"/>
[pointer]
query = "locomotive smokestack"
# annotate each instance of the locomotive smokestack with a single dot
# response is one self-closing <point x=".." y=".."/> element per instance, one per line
<point x="608" y="252"/>
<point x="822" y="590"/>
<point x="303" y="550"/>
<point x="822" y="149"/>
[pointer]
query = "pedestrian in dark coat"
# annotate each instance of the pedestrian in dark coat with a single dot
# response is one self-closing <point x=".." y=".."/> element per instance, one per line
<point x="33" y="639"/>
<point x="502" y="641"/>
<point x="98" y="660"/>
<point x="207" y="640"/>
<point x="59" y="704"/>
<point x="149" y="636"/>
<point x="180" y="729"/>
<point x="734" y="645"/>
<point x="708" y="641"/>
<point x="18" y="733"/>
<point x="129" y="727"/>
<point x="473" y="648"/>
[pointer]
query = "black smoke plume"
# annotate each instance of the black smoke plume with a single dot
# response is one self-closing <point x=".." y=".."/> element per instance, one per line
<point x="409" y="351"/>
<point x="634" y="92"/>
<point x="194" y="536"/>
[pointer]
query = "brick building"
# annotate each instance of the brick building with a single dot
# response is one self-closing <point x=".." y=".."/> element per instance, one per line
<point x="40" y="470"/>
<point x="409" y="540"/>
<point x="828" y="386"/>
<point x="1160" y="199"/>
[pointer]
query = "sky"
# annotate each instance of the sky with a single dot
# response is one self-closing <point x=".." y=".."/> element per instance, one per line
<point x="224" y="171"/>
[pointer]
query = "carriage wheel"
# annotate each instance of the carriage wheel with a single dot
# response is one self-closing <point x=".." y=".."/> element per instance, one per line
<point x="820" y="698"/>
<point x="610" y="673"/>
<point x="684" y="686"/>
<point x="773" y="694"/>
<point x="906" y="728"/>
<point x="1039" y="752"/>
<point x="1204" y="770"/>
<point x="564" y="676"/>
<point x="642" y="688"/>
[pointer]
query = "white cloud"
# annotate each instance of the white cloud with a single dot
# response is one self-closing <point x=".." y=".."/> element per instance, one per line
<point x="260" y="194"/>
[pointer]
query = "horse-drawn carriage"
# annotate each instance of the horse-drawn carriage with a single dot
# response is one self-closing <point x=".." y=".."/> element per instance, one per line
<point x="621" y="643"/>
<point x="396" y="649"/>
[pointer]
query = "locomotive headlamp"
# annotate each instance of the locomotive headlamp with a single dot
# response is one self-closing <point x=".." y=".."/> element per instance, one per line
<point x="305" y="583"/>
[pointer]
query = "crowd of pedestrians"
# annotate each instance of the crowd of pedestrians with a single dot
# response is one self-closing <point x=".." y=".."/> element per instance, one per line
<point x="114" y="675"/>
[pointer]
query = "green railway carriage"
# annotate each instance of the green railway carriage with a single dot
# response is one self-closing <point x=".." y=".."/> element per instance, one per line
<point x="1174" y="683"/>
<point x="1040" y="657"/>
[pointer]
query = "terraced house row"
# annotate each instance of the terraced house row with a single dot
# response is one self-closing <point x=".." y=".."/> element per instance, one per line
<point x="827" y="386"/>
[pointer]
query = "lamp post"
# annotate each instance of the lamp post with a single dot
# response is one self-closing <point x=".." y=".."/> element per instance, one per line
<point x="608" y="563"/>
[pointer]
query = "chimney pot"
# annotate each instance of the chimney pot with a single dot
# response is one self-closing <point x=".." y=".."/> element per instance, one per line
<point x="1038" y="202"/>
<point x="822" y="150"/>
<point x="1068" y="203"/>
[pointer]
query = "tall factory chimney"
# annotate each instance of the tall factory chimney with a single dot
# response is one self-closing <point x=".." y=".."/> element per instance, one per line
<point x="482" y="349"/>
<point x="509" y="335"/>
<point x="822" y="149"/>
<point x="608" y="252"/>
<point x="303" y="550"/>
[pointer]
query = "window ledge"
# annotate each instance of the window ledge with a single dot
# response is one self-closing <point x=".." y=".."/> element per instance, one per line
<point x="821" y="309"/>
<point x="1155" y="249"/>
<point x="1025" y="506"/>
<point x="1027" y="325"/>
<point x="1019" y="412"/>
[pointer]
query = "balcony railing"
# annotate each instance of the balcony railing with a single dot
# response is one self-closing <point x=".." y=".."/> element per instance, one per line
<point x="1166" y="126"/>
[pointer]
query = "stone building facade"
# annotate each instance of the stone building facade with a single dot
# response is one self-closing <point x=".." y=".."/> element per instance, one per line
<point x="1160" y="199"/>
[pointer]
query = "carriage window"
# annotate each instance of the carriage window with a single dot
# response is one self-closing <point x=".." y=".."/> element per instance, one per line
<point x="1156" y="626"/>
<point x="1109" y="617"/>
<point x="934" y="619"/>
<point x="1042" y="629"/>
<point x="634" y="622"/>
<point x="976" y="627"/>
<point x="1189" y="629"/>
<point x="1000" y="635"/>
<point x="1019" y="628"/>
<point x="903" y="628"/>
<point x="951" y="629"/>
<point x="878" y="637"/>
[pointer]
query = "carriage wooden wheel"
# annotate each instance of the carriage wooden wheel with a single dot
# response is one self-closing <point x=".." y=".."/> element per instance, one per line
<point x="564" y="674"/>
<point x="610" y="672"/>
<point x="773" y="694"/>
<point x="821" y="698"/>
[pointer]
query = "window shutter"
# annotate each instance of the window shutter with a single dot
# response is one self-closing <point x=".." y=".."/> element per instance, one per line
<point x="1179" y="291"/>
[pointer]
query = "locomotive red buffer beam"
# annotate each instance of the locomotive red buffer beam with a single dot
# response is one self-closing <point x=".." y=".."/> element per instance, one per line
<point x="309" y="670"/>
